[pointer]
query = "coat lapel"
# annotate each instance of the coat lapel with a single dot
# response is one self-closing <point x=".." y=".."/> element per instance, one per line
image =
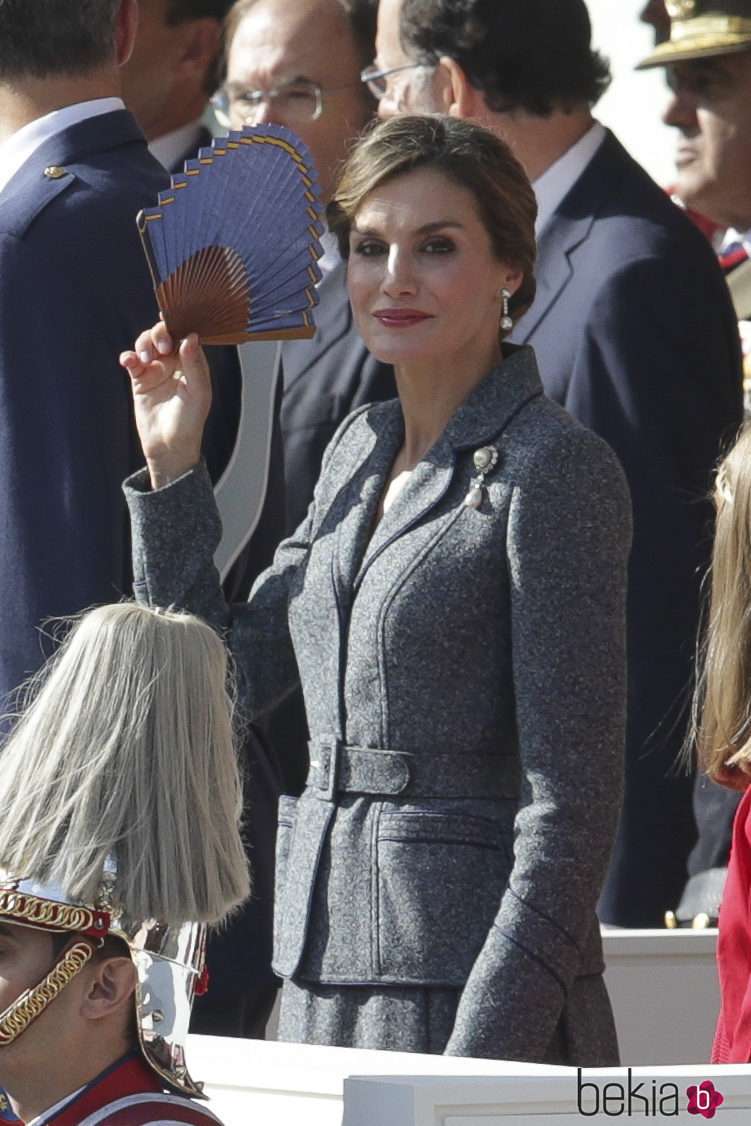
<point x="359" y="498"/>
<point x="568" y="229"/>
<point x="427" y="484"/>
<point x="479" y="421"/>
<point x="553" y="271"/>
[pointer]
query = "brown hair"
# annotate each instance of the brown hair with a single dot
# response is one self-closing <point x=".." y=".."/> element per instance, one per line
<point x="469" y="155"/>
<point x="49" y="38"/>
<point x="533" y="55"/>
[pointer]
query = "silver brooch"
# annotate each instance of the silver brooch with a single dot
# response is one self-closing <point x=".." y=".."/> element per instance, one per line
<point x="484" y="460"/>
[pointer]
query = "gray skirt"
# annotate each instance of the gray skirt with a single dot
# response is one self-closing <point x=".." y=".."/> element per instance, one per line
<point x="421" y="1019"/>
<point x="393" y="1018"/>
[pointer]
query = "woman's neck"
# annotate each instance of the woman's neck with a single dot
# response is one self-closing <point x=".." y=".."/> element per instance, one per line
<point x="429" y="398"/>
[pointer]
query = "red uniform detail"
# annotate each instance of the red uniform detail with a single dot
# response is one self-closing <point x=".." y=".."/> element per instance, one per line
<point x="128" y="1094"/>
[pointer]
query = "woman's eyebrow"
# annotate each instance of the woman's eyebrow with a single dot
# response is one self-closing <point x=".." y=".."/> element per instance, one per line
<point x="425" y="229"/>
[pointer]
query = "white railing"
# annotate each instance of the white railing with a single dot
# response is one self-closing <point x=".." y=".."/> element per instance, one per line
<point x="664" y="993"/>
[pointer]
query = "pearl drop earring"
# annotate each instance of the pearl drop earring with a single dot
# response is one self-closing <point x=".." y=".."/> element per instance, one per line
<point x="506" y="321"/>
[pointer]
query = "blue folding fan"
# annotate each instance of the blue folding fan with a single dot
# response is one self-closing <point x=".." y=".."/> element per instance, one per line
<point x="233" y="245"/>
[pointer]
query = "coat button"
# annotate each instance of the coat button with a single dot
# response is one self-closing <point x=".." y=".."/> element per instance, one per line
<point x="54" y="172"/>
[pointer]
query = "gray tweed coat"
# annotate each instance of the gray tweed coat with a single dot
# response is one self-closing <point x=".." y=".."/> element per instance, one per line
<point x="463" y="674"/>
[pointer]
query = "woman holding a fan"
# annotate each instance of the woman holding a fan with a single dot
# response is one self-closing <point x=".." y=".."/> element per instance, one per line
<point x="453" y="605"/>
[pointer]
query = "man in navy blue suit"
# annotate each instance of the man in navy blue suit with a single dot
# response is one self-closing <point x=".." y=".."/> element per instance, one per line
<point x="635" y="335"/>
<point x="708" y="67"/>
<point x="74" y="291"/>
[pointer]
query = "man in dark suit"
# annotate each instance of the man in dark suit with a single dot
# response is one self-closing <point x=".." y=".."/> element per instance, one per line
<point x="634" y="334"/>
<point x="74" y="292"/>
<point x="708" y="61"/>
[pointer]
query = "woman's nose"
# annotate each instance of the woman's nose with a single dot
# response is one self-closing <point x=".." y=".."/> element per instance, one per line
<point x="399" y="275"/>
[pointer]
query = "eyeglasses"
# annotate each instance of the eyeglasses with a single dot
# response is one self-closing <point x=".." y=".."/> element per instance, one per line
<point x="294" y="101"/>
<point x="375" y="79"/>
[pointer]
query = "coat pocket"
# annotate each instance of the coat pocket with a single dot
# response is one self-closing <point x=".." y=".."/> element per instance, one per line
<point x="441" y="876"/>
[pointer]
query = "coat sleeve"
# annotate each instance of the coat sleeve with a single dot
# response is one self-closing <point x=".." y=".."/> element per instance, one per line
<point x="175" y="531"/>
<point x="568" y="540"/>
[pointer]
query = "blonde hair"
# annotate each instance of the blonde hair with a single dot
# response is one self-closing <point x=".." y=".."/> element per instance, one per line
<point x="722" y="703"/>
<point x="125" y="749"/>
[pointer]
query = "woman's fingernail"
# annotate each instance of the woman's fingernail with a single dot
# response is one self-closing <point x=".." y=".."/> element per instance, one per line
<point x="144" y="357"/>
<point x="163" y="347"/>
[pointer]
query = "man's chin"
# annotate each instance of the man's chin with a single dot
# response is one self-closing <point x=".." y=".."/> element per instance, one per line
<point x="694" y="193"/>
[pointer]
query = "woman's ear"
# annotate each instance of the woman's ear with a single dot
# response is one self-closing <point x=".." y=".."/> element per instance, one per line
<point x="110" y="986"/>
<point x="513" y="279"/>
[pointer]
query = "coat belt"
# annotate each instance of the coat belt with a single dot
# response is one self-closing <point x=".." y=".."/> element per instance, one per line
<point x="336" y="768"/>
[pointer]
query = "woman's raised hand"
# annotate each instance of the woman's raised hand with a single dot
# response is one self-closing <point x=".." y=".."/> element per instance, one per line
<point x="171" y="397"/>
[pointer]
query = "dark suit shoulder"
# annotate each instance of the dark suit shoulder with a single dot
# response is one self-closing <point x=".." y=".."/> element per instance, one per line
<point x="92" y="188"/>
<point x="618" y="196"/>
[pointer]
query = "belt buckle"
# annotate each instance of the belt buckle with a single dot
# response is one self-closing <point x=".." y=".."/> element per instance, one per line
<point x="330" y="761"/>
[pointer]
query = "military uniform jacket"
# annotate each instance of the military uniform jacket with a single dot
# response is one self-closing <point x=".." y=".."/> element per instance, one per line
<point x="127" y="1094"/>
<point x="463" y="673"/>
<point x="75" y="291"/>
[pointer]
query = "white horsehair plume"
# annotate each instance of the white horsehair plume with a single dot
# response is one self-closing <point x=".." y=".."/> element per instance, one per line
<point x="126" y="750"/>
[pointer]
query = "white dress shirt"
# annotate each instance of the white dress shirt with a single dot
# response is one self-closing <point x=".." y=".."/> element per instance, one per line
<point x="552" y="187"/>
<point x="171" y="146"/>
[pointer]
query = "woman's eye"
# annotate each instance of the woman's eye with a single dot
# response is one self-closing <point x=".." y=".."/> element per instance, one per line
<point x="369" y="248"/>
<point x="439" y="245"/>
